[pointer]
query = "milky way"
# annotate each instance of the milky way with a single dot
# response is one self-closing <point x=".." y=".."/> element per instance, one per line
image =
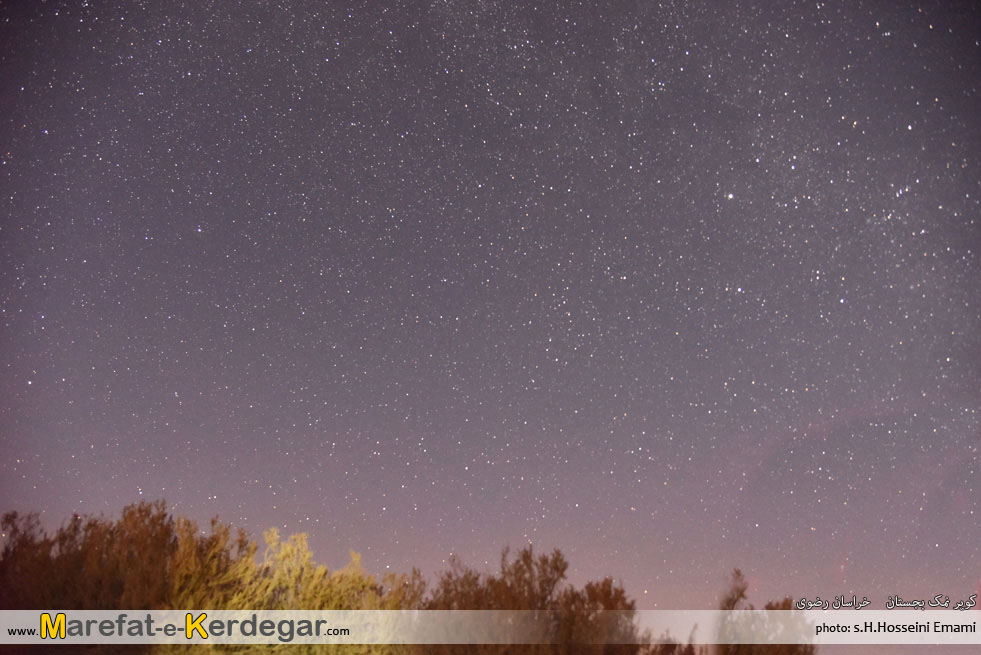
<point x="674" y="288"/>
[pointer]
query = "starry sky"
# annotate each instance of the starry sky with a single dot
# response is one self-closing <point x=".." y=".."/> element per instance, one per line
<point x="674" y="287"/>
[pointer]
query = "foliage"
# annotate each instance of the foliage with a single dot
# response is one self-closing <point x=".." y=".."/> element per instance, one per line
<point x="530" y="582"/>
<point x="148" y="559"/>
<point x="735" y="598"/>
<point x="90" y="563"/>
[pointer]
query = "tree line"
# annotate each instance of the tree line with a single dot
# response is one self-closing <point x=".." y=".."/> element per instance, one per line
<point x="149" y="559"/>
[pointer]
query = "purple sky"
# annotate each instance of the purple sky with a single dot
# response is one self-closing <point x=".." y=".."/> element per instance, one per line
<point x="675" y="289"/>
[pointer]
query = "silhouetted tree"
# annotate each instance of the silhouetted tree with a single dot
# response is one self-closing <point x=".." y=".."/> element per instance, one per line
<point x="147" y="559"/>
<point x="90" y="563"/>
<point x="735" y="598"/>
<point x="26" y="556"/>
<point x="574" y="618"/>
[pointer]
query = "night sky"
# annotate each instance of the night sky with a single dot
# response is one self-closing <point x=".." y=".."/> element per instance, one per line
<point x="674" y="287"/>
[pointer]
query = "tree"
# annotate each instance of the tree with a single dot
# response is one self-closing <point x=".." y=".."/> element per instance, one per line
<point x="598" y="619"/>
<point x="735" y="598"/>
<point x="574" y="620"/>
<point x="210" y="571"/>
<point x="90" y="563"/>
<point x="147" y="559"/>
<point x="26" y="556"/>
